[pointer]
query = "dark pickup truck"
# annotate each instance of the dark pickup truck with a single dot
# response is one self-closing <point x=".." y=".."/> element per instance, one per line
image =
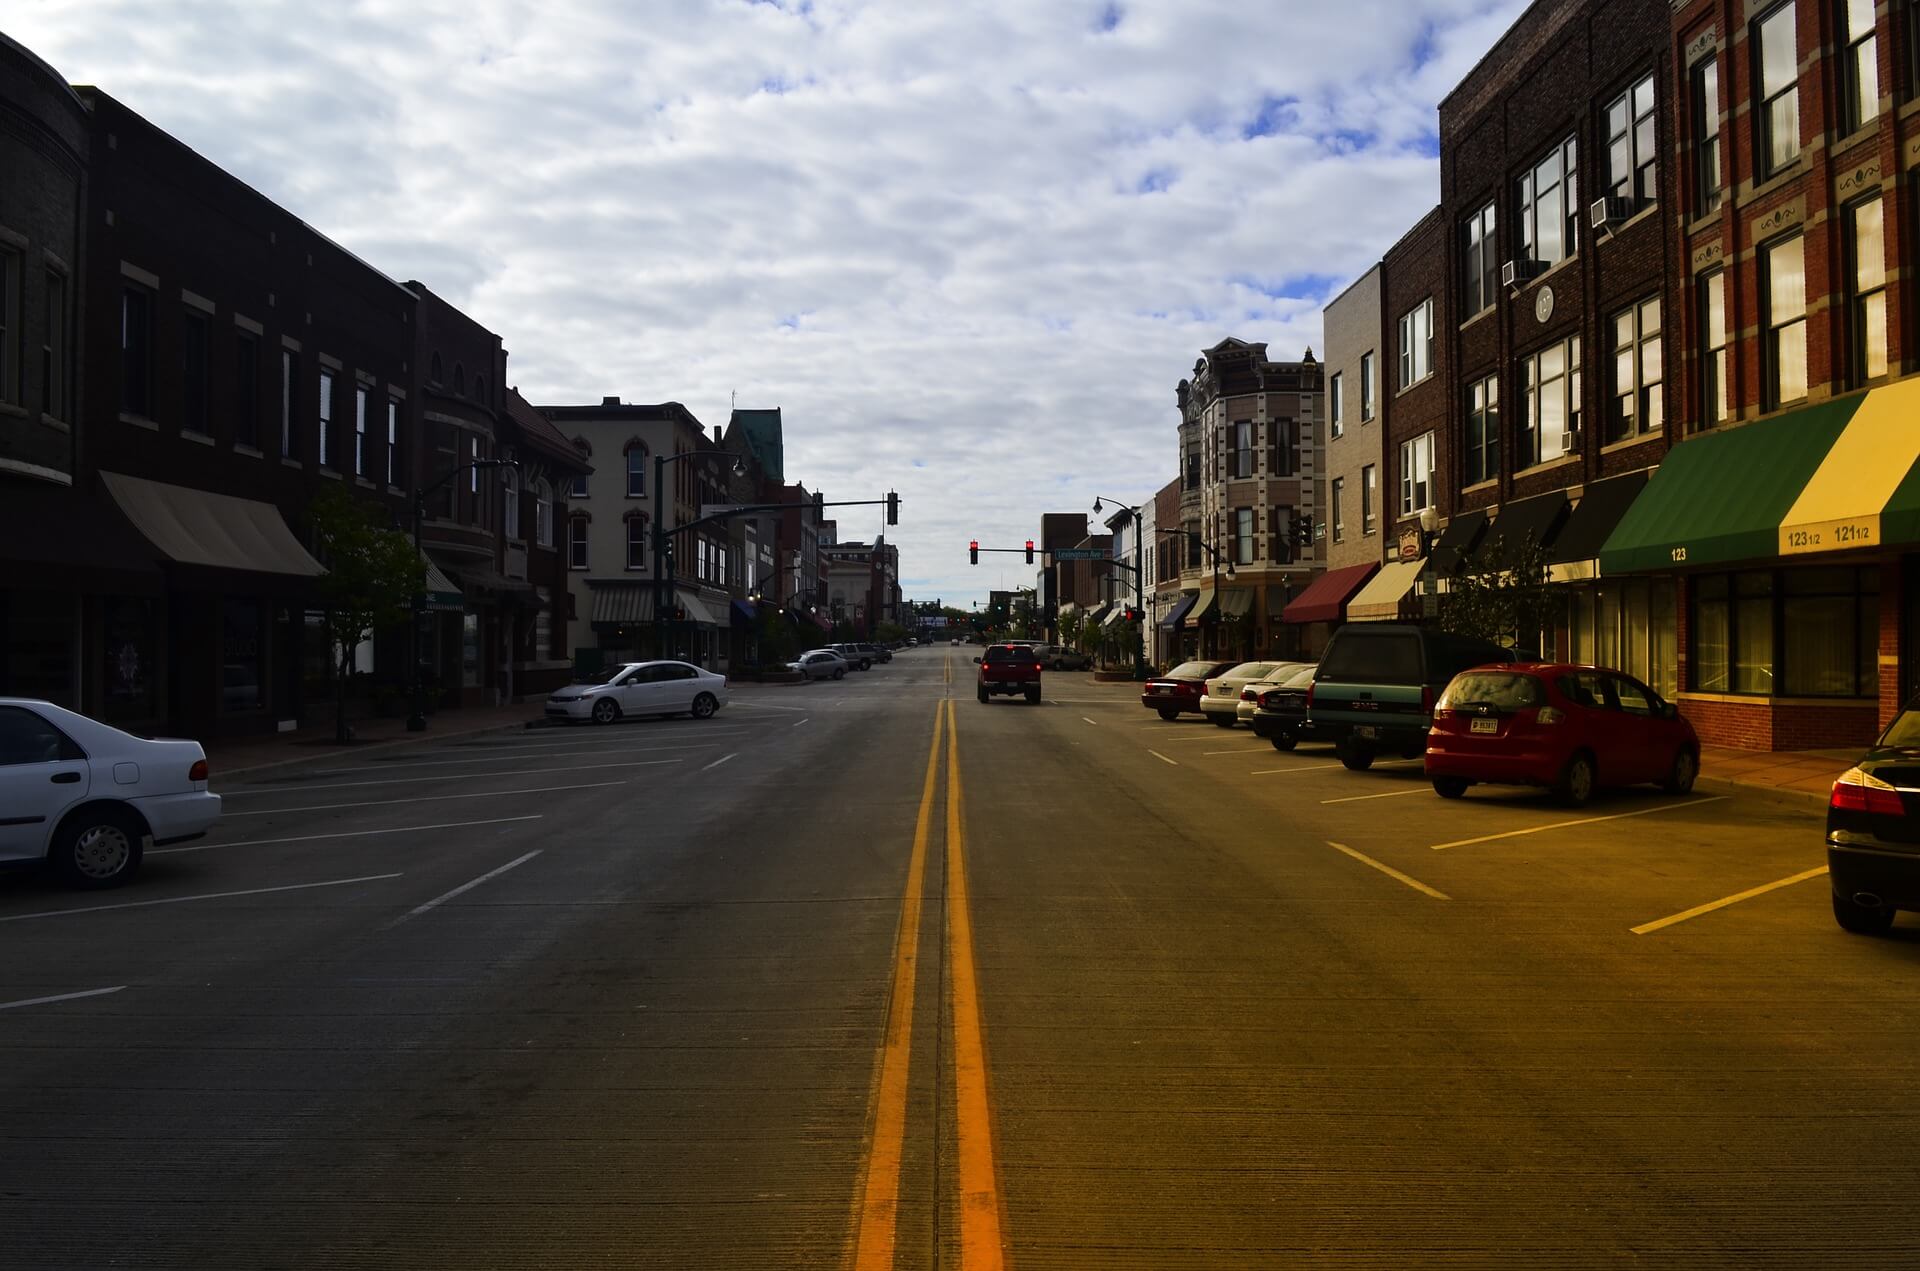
<point x="1009" y="669"/>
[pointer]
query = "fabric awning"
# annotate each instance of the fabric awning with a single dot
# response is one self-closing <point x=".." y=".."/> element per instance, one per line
<point x="699" y="611"/>
<point x="744" y="612"/>
<point x="1383" y="599"/>
<point x="1236" y="603"/>
<point x="1117" y="616"/>
<point x="199" y="527"/>
<point x="1177" y="614"/>
<point x="1326" y="596"/>
<point x="1575" y="553"/>
<point x="484" y="578"/>
<point x="1869" y="482"/>
<point x="1723" y="496"/>
<point x="622" y="604"/>
<point x="441" y="593"/>
<point x="95" y="535"/>
<point x="1537" y="519"/>
<point x="1098" y="615"/>
<point x="1458" y="540"/>
<point x="1201" y="608"/>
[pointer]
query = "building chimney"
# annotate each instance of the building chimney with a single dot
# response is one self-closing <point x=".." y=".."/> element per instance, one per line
<point x="610" y="401"/>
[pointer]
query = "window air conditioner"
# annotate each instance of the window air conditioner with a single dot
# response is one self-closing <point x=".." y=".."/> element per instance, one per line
<point x="1518" y="271"/>
<point x="1568" y="440"/>
<point x="1602" y="213"/>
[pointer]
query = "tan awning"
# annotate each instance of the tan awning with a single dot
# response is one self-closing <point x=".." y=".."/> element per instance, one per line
<point x="1237" y="603"/>
<point x="698" y="611"/>
<point x="199" y="527"/>
<point x="1200" y="609"/>
<point x="621" y="604"/>
<point x="1382" y="599"/>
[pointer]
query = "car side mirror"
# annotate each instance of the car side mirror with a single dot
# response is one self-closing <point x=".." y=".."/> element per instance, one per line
<point x="976" y="661"/>
<point x="1669" y="711"/>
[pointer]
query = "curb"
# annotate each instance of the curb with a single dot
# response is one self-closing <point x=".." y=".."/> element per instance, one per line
<point x="1798" y="800"/>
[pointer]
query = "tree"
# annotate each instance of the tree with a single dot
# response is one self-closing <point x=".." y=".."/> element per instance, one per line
<point x="373" y="574"/>
<point x="1502" y="594"/>
<point x="1072" y="627"/>
<point x="888" y="632"/>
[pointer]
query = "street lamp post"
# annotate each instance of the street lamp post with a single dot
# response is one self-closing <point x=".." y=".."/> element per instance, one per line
<point x="1139" y="590"/>
<point x="417" y="721"/>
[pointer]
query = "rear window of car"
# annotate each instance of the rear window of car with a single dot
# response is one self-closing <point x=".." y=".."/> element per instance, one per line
<point x="1502" y="690"/>
<point x="1191" y="671"/>
<point x="1367" y="657"/>
<point x="1904" y="731"/>
<point x="1000" y="653"/>
<point x="1250" y="671"/>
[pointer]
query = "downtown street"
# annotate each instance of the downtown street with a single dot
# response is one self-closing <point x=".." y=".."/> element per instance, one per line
<point x="868" y="973"/>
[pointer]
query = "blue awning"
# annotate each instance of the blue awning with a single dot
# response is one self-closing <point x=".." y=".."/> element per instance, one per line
<point x="744" y="612"/>
<point x="1179" y="612"/>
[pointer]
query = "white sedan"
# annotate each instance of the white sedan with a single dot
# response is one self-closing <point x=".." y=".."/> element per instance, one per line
<point x="88" y="799"/>
<point x="640" y="688"/>
<point x="820" y="664"/>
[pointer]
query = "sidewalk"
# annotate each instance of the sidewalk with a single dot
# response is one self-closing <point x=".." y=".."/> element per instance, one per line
<point x="233" y="755"/>
<point x="1803" y="776"/>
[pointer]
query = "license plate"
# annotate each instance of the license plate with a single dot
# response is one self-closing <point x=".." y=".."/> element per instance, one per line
<point x="1162" y="688"/>
<point x="1366" y="732"/>
<point x="1486" y="725"/>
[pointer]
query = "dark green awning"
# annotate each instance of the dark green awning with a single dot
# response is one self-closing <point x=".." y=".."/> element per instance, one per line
<point x="1720" y="497"/>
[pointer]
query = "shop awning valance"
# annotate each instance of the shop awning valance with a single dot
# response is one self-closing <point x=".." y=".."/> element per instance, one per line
<point x="1575" y="553"/>
<point x="622" y="604"/>
<point x="1536" y="520"/>
<point x="744" y="612"/>
<point x="199" y="527"/>
<point x="1178" y="614"/>
<point x="1237" y="603"/>
<point x="1325" y="599"/>
<point x="95" y="535"/>
<point x="1866" y="491"/>
<point x="699" y="611"/>
<point x="1384" y="598"/>
<point x="1725" y="496"/>
<point x="1116" y="616"/>
<point x="1458" y="540"/>
<point x="1201" y="608"/>
<point x="441" y="593"/>
<point x="1098" y="616"/>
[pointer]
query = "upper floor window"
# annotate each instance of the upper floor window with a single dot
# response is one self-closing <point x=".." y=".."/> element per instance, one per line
<point x="326" y="415"/>
<point x="1550" y="426"/>
<point x="136" y="351"/>
<point x="510" y="491"/>
<point x="1783" y="298"/>
<point x="246" y="389"/>
<point x="393" y="442"/>
<point x="1483" y="430"/>
<point x="288" y="436"/>
<point x="1707" y="179"/>
<point x="1867" y="301"/>
<point x="1335" y="514"/>
<point x="1860" y="72"/>
<point x="196" y="371"/>
<point x="459" y="380"/>
<point x="1416" y="343"/>
<point x="1286" y="447"/>
<point x="637" y="540"/>
<point x="1335" y="415"/>
<point x="10" y="288"/>
<point x="53" y="352"/>
<point x="1242" y="448"/>
<point x="1416" y="474"/>
<point x="1481" y="261"/>
<point x="1369" y="496"/>
<point x="359" y="430"/>
<point x="543" y="514"/>
<point x="1631" y="166"/>
<point x="1712" y="325"/>
<point x="1243" y="536"/>
<point x="434" y="372"/>
<point x="636" y="472"/>
<point x="1639" y="400"/>
<point x="1366" y="387"/>
<point x="577" y="542"/>
<point x="1549" y="206"/>
<point x="1777" y="72"/>
<point x="578" y="490"/>
<point x="1193" y="470"/>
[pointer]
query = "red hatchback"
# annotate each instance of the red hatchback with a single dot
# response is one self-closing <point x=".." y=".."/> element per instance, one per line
<point x="1570" y="728"/>
<point x="1181" y="688"/>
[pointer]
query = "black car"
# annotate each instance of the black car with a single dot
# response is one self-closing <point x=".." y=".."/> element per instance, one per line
<point x="1280" y="711"/>
<point x="1873" y="831"/>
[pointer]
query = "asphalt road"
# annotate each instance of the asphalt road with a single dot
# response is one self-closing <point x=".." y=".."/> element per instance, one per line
<point x="873" y="974"/>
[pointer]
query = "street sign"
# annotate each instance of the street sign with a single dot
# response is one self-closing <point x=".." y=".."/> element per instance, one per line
<point x="1081" y="553"/>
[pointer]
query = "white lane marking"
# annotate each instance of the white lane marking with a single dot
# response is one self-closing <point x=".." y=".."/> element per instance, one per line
<point x="427" y="798"/>
<point x="210" y="895"/>
<point x="766" y="706"/>
<point x="1095" y="723"/>
<point x="1391" y="794"/>
<point x="797" y="723"/>
<point x="1244" y="750"/>
<point x="1724" y="901"/>
<point x="1389" y="871"/>
<point x="1162" y="758"/>
<point x="516" y="757"/>
<point x="1322" y="767"/>
<point x="421" y="781"/>
<point x="467" y="886"/>
<point x="716" y="763"/>
<point x="60" y="997"/>
<point x="1585" y="820"/>
<point x="346" y="834"/>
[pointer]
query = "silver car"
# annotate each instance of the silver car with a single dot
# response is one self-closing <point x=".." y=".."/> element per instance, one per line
<point x="1250" y="693"/>
<point x="820" y="664"/>
<point x="1220" y="696"/>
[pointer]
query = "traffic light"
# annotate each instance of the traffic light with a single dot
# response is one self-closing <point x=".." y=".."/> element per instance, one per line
<point x="893" y="508"/>
<point x="1029" y="551"/>
<point x="1303" y="529"/>
<point x="973" y="550"/>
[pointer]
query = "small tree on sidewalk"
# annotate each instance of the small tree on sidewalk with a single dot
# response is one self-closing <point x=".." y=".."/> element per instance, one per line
<point x="1072" y="627"/>
<point x="373" y="574"/>
<point x="1502" y="595"/>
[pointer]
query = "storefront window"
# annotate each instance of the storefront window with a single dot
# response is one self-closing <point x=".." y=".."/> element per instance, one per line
<point x="240" y="661"/>
<point x="39" y="633"/>
<point x="1790" y="633"/>
<point x="470" y="650"/>
<point x="127" y="673"/>
<point x="1710" y="635"/>
<point x="1753" y="632"/>
<point x="1606" y="628"/>
<point x="1663" y="653"/>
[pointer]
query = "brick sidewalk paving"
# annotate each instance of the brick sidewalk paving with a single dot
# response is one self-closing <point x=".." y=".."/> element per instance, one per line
<point x="1802" y="775"/>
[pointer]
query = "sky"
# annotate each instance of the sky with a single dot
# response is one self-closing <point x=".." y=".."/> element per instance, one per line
<point x="969" y="249"/>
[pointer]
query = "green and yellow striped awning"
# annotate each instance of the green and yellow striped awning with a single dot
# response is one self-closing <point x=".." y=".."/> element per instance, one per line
<point x="1840" y="476"/>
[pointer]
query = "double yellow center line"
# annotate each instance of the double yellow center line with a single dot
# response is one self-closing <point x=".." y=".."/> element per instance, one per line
<point x="979" y="1209"/>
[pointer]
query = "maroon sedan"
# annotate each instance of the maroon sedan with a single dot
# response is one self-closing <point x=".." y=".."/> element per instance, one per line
<point x="1181" y="689"/>
<point x="1569" y="728"/>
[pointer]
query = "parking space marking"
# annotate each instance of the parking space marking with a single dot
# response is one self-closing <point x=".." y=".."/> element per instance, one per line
<point x="766" y="706"/>
<point x="181" y="900"/>
<point x="346" y="834"/>
<point x="1584" y="820"/>
<point x="1322" y="767"/>
<point x="1389" y="871"/>
<point x="1389" y="794"/>
<point x="716" y="763"/>
<point x="416" y="781"/>
<point x="1244" y="750"/>
<point x="467" y="886"/>
<point x="799" y="722"/>
<point x="59" y="997"/>
<point x="426" y="798"/>
<point x="1162" y="758"/>
<point x="1646" y="927"/>
<point x="1095" y="723"/>
<point x="1198" y="737"/>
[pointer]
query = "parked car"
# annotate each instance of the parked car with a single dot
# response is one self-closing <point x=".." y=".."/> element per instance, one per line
<point x="1180" y="689"/>
<point x="88" y="799"/>
<point x="878" y="652"/>
<point x="1570" y="728"/>
<point x="639" y="689"/>
<point x="1377" y="682"/>
<point x="820" y="664"/>
<point x="1009" y="669"/>
<point x="856" y="660"/>
<point x="1220" y="695"/>
<point x="1280" y="709"/>
<point x="1060" y="658"/>
<point x="1250" y="693"/>
<point x="1873" y="832"/>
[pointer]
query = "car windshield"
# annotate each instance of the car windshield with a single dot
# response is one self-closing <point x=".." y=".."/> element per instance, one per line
<point x="1300" y="678"/>
<point x="1191" y="671"/>
<point x="606" y="675"/>
<point x="1251" y="671"/>
<point x="1502" y="690"/>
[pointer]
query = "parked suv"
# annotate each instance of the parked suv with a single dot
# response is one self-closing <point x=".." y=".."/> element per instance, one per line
<point x="1377" y="682"/>
<point x="1009" y="669"/>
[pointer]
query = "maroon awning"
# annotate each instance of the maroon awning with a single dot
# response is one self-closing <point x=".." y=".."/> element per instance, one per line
<point x="1325" y="599"/>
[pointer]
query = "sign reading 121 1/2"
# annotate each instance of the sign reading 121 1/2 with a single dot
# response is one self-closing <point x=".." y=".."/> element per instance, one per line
<point x="1830" y="536"/>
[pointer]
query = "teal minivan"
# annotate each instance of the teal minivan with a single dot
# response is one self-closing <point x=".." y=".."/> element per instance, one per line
<point x="1377" y="682"/>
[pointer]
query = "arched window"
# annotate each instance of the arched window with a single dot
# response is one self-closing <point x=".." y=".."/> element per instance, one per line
<point x="577" y="541"/>
<point x="637" y="544"/>
<point x="480" y="389"/>
<point x="636" y="469"/>
<point x="434" y="371"/>
<point x="459" y="380"/>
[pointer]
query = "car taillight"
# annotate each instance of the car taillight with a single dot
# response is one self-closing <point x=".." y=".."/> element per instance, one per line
<point x="1860" y="791"/>
<point x="1247" y="695"/>
<point x="1426" y="699"/>
<point x="1037" y="666"/>
<point x="1309" y="695"/>
<point x="198" y="772"/>
<point x="1266" y="699"/>
<point x="1549" y="715"/>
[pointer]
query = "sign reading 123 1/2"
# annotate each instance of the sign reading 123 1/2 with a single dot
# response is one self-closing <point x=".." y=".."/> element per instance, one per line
<point x="1830" y="536"/>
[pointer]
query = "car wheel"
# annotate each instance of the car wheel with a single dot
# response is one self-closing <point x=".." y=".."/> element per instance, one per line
<point x="1169" y="714"/>
<point x="1859" y="919"/>
<point x="983" y="694"/>
<point x="1680" y="774"/>
<point x="866" y="664"/>
<point x="98" y="847"/>
<point x="1223" y="721"/>
<point x="605" y="711"/>
<point x="704" y="706"/>
<point x="1284" y="741"/>
<point x="839" y="672"/>
<point x="1449" y="787"/>
<point x="1358" y="758"/>
<point x="1576" y="782"/>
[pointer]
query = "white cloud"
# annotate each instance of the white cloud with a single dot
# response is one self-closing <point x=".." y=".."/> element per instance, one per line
<point x="970" y="249"/>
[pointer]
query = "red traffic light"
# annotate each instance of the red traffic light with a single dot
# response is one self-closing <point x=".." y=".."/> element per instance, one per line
<point x="973" y="550"/>
<point x="1029" y="551"/>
